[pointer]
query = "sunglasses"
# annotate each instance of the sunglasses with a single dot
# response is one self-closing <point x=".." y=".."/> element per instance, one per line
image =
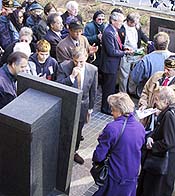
<point x="100" y="19"/>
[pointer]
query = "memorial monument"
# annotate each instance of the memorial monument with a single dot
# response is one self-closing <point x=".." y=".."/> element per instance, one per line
<point x="37" y="138"/>
<point x="158" y="24"/>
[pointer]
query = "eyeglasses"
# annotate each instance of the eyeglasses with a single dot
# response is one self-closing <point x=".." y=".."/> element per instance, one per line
<point x="102" y="19"/>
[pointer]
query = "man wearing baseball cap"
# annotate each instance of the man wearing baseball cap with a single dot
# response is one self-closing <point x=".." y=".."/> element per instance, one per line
<point x="8" y="32"/>
<point x="74" y="39"/>
<point x="161" y="78"/>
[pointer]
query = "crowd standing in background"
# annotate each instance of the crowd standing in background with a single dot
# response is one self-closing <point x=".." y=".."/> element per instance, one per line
<point x="152" y="62"/>
<point x="41" y="41"/>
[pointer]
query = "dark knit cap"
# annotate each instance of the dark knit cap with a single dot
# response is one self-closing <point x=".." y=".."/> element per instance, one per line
<point x="170" y="62"/>
<point x="35" y="6"/>
<point x="97" y="13"/>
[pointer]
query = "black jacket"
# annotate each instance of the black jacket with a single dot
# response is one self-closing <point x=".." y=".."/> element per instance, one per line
<point x="164" y="132"/>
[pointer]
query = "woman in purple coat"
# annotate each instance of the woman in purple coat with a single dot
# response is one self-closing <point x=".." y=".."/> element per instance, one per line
<point x="125" y="157"/>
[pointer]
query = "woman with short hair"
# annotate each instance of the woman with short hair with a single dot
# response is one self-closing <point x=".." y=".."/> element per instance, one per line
<point x="125" y="157"/>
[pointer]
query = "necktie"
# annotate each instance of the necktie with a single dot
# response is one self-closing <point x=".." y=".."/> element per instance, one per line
<point x="119" y="41"/>
<point x="77" y="44"/>
<point x="79" y="80"/>
<point x="165" y="82"/>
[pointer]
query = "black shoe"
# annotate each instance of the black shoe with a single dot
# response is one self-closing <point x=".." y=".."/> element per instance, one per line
<point x="78" y="159"/>
<point x="82" y="138"/>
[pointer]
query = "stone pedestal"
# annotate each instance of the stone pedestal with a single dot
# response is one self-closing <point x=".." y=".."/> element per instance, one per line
<point x="70" y="112"/>
<point x="29" y="135"/>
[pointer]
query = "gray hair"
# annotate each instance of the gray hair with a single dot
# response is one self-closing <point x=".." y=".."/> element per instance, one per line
<point x="115" y="16"/>
<point x="26" y="31"/>
<point x="51" y="19"/>
<point x="71" y="4"/>
<point x="133" y="17"/>
<point x="166" y="93"/>
<point x="121" y="101"/>
<point x="161" y="41"/>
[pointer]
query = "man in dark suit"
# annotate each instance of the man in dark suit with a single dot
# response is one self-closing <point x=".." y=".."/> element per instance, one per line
<point x="69" y="73"/>
<point x="112" y="52"/>
<point x="53" y="35"/>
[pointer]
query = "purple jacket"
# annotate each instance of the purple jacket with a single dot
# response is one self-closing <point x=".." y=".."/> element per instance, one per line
<point x="125" y="158"/>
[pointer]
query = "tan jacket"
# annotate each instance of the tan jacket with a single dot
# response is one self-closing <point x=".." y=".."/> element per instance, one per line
<point x="146" y="98"/>
<point x="66" y="46"/>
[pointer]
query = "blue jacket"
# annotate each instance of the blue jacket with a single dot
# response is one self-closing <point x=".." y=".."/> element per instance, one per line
<point x="48" y="68"/>
<point x="148" y="65"/>
<point x="91" y="30"/>
<point x="7" y="86"/>
<point x="125" y="157"/>
<point x="111" y="53"/>
<point x="8" y="33"/>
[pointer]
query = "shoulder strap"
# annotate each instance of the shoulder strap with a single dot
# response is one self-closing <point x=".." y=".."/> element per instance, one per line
<point x="121" y="133"/>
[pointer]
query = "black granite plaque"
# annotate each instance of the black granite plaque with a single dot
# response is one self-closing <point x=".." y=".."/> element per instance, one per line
<point x="158" y="24"/>
<point x="29" y="134"/>
<point x="70" y="112"/>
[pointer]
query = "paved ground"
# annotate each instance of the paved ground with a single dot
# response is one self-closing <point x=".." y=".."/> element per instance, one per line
<point x="82" y="183"/>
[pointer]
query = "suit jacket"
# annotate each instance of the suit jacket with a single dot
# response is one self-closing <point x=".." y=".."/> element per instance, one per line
<point x="89" y="84"/>
<point x="53" y="39"/>
<point x="66" y="46"/>
<point x="111" y="52"/>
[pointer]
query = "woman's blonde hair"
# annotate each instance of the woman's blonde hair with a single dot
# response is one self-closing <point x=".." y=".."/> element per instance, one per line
<point x="121" y="101"/>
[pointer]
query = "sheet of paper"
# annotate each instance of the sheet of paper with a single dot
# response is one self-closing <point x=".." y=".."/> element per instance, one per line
<point x="146" y="112"/>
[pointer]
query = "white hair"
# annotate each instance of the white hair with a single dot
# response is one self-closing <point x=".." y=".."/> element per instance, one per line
<point x="26" y="31"/>
<point x="122" y="102"/>
<point x="71" y="4"/>
<point x="22" y="47"/>
<point x="166" y="93"/>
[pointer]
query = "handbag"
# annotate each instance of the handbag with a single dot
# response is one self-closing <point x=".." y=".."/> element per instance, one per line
<point x="100" y="171"/>
<point x="156" y="164"/>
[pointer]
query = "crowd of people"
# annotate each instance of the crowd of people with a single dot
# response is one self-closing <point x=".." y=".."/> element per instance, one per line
<point x="59" y="47"/>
